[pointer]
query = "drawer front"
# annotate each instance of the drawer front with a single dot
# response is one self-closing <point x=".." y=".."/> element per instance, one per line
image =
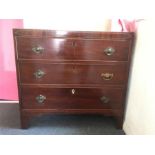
<point x="69" y="49"/>
<point x="102" y="50"/>
<point x="46" y="73"/>
<point x="44" y="48"/>
<point x="71" y="98"/>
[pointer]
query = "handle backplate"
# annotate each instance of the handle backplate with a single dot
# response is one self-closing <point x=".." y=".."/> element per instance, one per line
<point x="38" y="49"/>
<point x="109" y="51"/>
<point x="39" y="74"/>
<point x="105" y="99"/>
<point x="40" y="99"/>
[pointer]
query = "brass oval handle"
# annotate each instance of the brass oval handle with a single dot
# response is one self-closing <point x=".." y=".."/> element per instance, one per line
<point x="38" y="49"/>
<point x="39" y="74"/>
<point x="40" y="98"/>
<point x="105" y="99"/>
<point x="107" y="76"/>
<point x="109" y="51"/>
<point x="73" y="91"/>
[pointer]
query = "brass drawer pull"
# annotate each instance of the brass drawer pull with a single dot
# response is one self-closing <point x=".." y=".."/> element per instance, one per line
<point x="104" y="99"/>
<point x="73" y="91"/>
<point x="109" y="51"/>
<point x="40" y="99"/>
<point x="38" y="49"/>
<point x="107" y="76"/>
<point x="39" y="74"/>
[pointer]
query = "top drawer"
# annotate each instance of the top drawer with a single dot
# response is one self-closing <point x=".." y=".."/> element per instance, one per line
<point x="72" y="49"/>
<point x="99" y="49"/>
<point x="44" y="48"/>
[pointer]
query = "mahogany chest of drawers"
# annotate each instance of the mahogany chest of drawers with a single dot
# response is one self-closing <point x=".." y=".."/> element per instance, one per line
<point x="72" y="72"/>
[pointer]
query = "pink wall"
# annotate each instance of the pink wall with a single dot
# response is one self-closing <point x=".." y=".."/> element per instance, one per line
<point x="8" y="84"/>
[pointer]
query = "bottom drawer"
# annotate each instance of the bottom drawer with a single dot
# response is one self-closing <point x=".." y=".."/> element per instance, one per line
<point x="71" y="98"/>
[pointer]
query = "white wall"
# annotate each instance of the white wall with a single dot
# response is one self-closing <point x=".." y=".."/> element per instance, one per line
<point x="69" y="15"/>
<point x="67" y="23"/>
<point x="140" y="113"/>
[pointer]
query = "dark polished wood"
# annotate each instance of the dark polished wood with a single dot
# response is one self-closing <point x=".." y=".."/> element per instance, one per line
<point x="72" y="72"/>
<point x="73" y="34"/>
<point x="93" y="49"/>
<point x="54" y="49"/>
<point x="70" y="49"/>
<point x="66" y="73"/>
<point x="72" y="98"/>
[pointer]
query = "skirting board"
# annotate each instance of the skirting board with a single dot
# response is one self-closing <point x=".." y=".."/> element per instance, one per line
<point x="5" y="101"/>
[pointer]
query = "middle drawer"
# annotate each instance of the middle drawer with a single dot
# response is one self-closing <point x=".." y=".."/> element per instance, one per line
<point x="59" y="73"/>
